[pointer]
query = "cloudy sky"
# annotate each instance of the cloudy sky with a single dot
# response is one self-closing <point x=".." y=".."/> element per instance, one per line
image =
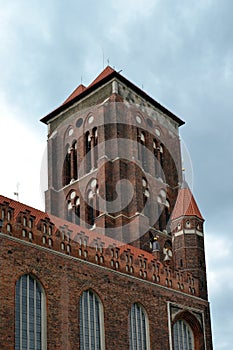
<point x="181" y="52"/>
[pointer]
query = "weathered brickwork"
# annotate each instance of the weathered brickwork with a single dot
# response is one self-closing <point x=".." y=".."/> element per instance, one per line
<point x="64" y="279"/>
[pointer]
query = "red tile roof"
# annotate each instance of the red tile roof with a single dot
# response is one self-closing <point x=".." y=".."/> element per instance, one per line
<point x="107" y="71"/>
<point x="58" y="222"/>
<point x="185" y="204"/>
<point x="105" y="76"/>
<point x="75" y="93"/>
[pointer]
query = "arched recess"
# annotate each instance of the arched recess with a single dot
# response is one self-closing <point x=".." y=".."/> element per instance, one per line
<point x="72" y="207"/>
<point x="186" y="326"/>
<point x="70" y="165"/>
<point x="91" y="149"/>
<point x="30" y="314"/>
<point x="92" y="202"/>
<point x="91" y="320"/>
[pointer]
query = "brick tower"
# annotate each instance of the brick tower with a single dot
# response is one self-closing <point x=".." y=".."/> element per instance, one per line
<point x="188" y="238"/>
<point x="114" y="161"/>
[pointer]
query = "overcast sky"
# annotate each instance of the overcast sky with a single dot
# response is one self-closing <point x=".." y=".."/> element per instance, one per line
<point x="181" y="52"/>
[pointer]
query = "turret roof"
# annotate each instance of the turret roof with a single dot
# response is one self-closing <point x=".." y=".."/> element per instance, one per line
<point x="185" y="204"/>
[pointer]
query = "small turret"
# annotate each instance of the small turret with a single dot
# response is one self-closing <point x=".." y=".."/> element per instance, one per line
<point x="188" y="237"/>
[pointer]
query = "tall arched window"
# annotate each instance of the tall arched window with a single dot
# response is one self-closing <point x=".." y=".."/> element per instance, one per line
<point x="69" y="211"/>
<point x="142" y="151"/>
<point x="95" y="143"/>
<point x="183" y="336"/>
<point x="30" y="315"/>
<point x="167" y="213"/>
<point x="67" y="167"/>
<point x="88" y="151"/>
<point x="139" y="334"/>
<point x="77" y="211"/>
<point x="92" y="203"/>
<point x="91" y="322"/>
<point x="161" y="150"/>
<point x="90" y="208"/>
<point x="74" y="161"/>
<point x="146" y="195"/>
<point x="155" y="150"/>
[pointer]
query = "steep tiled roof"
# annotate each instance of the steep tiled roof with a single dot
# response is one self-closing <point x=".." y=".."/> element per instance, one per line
<point x="58" y="222"/>
<point x="107" y="71"/>
<point x="75" y="93"/>
<point x="185" y="204"/>
<point x="20" y="207"/>
<point x="105" y="76"/>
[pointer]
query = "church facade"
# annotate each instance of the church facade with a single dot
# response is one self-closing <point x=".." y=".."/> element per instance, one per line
<point x="117" y="259"/>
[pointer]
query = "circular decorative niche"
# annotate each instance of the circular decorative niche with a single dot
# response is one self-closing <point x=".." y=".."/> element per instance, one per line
<point x="79" y="122"/>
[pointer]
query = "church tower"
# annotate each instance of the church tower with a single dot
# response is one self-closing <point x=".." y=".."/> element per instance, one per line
<point x="114" y="161"/>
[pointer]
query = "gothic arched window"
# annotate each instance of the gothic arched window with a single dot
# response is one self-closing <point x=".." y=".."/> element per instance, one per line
<point x="146" y="195"/>
<point x="161" y="150"/>
<point x="142" y="150"/>
<point x="139" y="328"/>
<point x="67" y="167"/>
<point x="69" y="211"/>
<point x="77" y="211"/>
<point x="91" y="322"/>
<point x="90" y="208"/>
<point x="30" y="314"/>
<point x="183" y="336"/>
<point x="92" y="203"/>
<point x="155" y="150"/>
<point x="74" y="161"/>
<point x="95" y="145"/>
<point x="88" y="151"/>
<point x="167" y="211"/>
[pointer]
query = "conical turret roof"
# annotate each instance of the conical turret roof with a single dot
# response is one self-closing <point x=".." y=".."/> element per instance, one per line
<point x="185" y="204"/>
